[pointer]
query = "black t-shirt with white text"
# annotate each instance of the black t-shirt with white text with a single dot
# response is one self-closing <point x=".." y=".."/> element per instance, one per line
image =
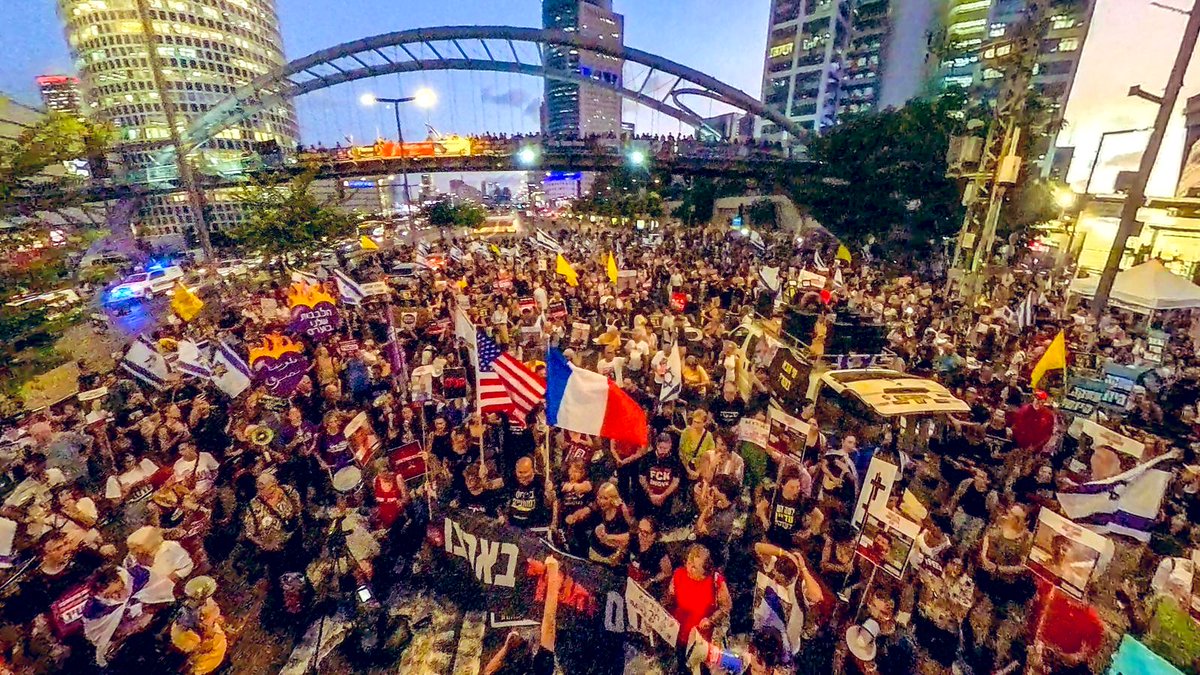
<point x="783" y="520"/>
<point x="527" y="505"/>
<point x="660" y="471"/>
<point x="727" y="413"/>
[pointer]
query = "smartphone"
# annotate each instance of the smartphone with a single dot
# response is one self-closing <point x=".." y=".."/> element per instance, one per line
<point x="364" y="593"/>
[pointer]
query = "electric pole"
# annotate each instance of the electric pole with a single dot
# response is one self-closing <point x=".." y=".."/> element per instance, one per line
<point x="186" y="176"/>
<point x="1001" y="157"/>
<point x="1137" y="191"/>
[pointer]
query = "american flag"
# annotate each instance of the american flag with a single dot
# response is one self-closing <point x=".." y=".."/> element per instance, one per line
<point x="504" y="384"/>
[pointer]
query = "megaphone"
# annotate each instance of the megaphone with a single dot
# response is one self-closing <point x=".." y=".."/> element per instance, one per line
<point x="702" y="652"/>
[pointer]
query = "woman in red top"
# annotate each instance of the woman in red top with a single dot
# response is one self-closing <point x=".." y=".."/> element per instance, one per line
<point x="391" y="497"/>
<point x="698" y="595"/>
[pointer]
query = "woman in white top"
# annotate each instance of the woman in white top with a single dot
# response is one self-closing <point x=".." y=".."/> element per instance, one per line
<point x="196" y="469"/>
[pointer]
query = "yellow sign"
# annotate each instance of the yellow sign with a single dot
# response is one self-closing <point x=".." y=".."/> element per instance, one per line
<point x="782" y="50"/>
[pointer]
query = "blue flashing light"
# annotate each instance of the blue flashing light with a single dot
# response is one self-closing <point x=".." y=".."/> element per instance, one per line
<point x="120" y="293"/>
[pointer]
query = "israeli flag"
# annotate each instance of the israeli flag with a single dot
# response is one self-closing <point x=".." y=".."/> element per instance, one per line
<point x="230" y="373"/>
<point x="542" y="239"/>
<point x="143" y="361"/>
<point x="192" y="360"/>
<point x="351" y="291"/>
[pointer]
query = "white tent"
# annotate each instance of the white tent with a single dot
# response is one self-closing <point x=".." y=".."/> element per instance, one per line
<point x="1147" y="287"/>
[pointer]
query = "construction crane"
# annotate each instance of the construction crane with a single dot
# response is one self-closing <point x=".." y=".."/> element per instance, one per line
<point x="1001" y="155"/>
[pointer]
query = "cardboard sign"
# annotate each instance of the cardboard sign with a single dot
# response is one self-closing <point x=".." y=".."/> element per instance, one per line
<point x="1104" y="437"/>
<point x="876" y="488"/>
<point x="811" y="280"/>
<point x="346" y="347"/>
<point x="1065" y="554"/>
<point x="66" y="613"/>
<point x="373" y="288"/>
<point x="753" y="431"/>
<point x="646" y="616"/>
<point x="408" y="461"/>
<point x="787" y="435"/>
<point x="678" y="302"/>
<point x="557" y="310"/>
<point x="887" y="540"/>
<point x="438" y="327"/>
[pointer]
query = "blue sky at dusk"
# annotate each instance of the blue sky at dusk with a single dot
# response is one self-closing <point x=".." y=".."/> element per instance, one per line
<point x="1131" y="42"/>
<point x="722" y="38"/>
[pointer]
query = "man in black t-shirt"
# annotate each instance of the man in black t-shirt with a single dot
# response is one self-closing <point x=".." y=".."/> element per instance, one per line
<point x="780" y="513"/>
<point x="480" y="495"/>
<point x="527" y="505"/>
<point x="660" y="476"/>
<point x="728" y="408"/>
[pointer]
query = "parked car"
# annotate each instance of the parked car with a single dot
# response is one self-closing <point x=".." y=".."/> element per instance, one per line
<point x="146" y="284"/>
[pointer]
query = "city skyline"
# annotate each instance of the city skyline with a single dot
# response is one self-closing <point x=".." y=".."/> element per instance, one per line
<point x="733" y="47"/>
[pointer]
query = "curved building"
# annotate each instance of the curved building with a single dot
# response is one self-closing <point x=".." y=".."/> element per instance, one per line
<point x="204" y="50"/>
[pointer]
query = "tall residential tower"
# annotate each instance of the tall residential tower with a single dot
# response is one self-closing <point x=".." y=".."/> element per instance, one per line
<point x="572" y="110"/>
<point x="206" y="49"/>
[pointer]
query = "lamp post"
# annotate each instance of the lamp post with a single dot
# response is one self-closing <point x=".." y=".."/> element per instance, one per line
<point x="424" y="98"/>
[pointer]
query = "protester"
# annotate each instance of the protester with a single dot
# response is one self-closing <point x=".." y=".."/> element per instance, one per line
<point x="298" y="501"/>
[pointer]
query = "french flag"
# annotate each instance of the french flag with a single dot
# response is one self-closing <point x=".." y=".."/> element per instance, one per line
<point x="589" y="403"/>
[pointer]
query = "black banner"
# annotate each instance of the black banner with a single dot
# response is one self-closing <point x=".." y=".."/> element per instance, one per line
<point x="508" y="566"/>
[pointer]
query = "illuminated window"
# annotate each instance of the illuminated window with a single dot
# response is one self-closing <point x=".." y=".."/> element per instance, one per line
<point x="1062" y="22"/>
<point x="1068" y="44"/>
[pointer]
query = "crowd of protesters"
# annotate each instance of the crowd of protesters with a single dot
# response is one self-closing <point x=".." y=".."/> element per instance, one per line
<point x="126" y="508"/>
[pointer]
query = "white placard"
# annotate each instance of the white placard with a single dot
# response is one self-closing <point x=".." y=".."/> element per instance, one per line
<point x="646" y="615"/>
<point x="876" y="488"/>
<point x="375" y="288"/>
<point x="753" y="431"/>
<point x="1105" y="437"/>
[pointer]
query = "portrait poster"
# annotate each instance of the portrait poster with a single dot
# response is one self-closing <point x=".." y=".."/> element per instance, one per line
<point x="887" y="539"/>
<point x="1066" y="554"/>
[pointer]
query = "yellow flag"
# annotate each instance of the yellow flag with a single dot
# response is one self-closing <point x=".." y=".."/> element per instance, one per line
<point x="564" y="268"/>
<point x="1055" y="358"/>
<point x="494" y="249"/>
<point x="185" y="303"/>
<point x="843" y="253"/>
<point x="367" y="243"/>
<point x="612" y="268"/>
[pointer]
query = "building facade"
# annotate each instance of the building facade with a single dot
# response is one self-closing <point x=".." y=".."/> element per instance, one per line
<point x="571" y="110"/>
<point x="60" y="93"/>
<point x="969" y="26"/>
<point x="205" y="49"/>
<point x="806" y="46"/>
<point x="887" y="62"/>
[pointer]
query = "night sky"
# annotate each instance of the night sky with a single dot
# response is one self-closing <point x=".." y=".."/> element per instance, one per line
<point x="1131" y="42"/>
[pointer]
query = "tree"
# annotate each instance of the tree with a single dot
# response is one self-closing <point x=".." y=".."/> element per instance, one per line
<point x="884" y="174"/>
<point x="51" y="140"/>
<point x="763" y="214"/>
<point x="286" y="218"/>
<point x="445" y="213"/>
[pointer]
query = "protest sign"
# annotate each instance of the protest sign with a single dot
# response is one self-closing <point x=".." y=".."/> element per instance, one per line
<point x="557" y="310"/>
<point x="646" y="616"/>
<point x="1066" y="554"/>
<point x="66" y="613"/>
<point x="408" y="461"/>
<point x="811" y="280"/>
<point x="346" y="347"/>
<point x="373" y="288"/>
<point x="786" y="376"/>
<point x="1103" y="437"/>
<point x="753" y="431"/>
<point x="787" y="435"/>
<point x="876" y="488"/>
<point x="278" y="363"/>
<point x="887" y="540"/>
<point x="678" y="301"/>
<point x="314" y="312"/>
<point x="454" y="383"/>
<point x="1121" y="380"/>
<point x="1083" y="395"/>
<point x="1156" y="343"/>
<point x="1134" y="658"/>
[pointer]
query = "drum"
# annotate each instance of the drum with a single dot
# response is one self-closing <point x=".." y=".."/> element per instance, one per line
<point x="348" y="483"/>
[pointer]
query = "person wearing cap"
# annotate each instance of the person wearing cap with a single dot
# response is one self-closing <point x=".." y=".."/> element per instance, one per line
<point x="879" y="645"/>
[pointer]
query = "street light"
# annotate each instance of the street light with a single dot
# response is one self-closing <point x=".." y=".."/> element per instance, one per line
<point x="424" y="98"/>
<point x="527" y="156"/>
<point x="637" y="158"/>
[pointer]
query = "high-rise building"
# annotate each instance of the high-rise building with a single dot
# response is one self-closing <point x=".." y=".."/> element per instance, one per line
<point x="205" y="49"/>
<point x="887" y="62"/>
<point x="60" y="93"/>
<point x="571" y="110"/>
<point x="806" y="43"/>
<point x="971" y="26"/>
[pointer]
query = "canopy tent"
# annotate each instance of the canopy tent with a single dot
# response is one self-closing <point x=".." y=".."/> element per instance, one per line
<point x="1146" y="287"/>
